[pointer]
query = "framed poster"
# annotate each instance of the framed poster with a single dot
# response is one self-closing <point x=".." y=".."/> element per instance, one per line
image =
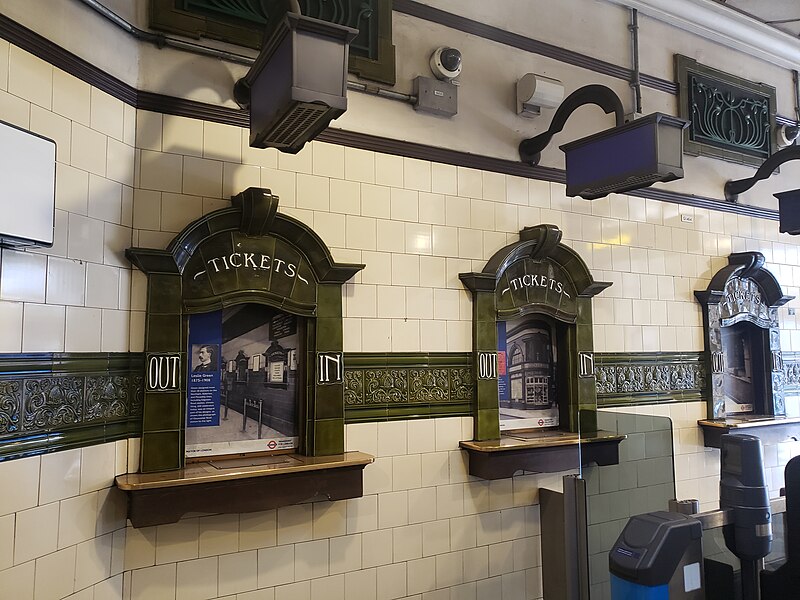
<point x="526" y="379"/>
<point x="241" y="394"/>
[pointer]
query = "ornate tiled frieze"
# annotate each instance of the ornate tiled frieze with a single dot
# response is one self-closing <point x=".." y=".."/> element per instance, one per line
<point x="406" y="382"/>
<point x="75" y="395"/>
<point x="639" y="378"/>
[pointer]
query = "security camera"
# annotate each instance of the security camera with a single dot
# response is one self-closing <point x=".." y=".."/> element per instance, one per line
<point x="446" y="63"/>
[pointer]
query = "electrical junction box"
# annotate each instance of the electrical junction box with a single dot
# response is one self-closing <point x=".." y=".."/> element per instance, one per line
<point x="436" y="97"/>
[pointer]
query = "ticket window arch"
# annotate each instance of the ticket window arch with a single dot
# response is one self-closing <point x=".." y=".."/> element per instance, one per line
<point x="536" y="278"/>
<point x="246" y="254"/>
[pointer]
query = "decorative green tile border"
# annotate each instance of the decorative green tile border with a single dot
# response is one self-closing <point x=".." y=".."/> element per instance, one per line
<point x="55" y="401"/>
<point x="791" y="369"/>
<point x="630" y="378"/>
<point x="381" y="387"/>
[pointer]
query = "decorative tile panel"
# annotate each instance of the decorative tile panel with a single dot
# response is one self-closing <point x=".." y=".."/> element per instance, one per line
<point x="642" y="378"/>
<point x="83" y="398"/>
<point x="403" y="385"/>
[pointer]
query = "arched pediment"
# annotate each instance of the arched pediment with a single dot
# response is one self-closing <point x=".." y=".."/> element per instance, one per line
<point x="536" y="274"/>
<point x="247" y="253"/>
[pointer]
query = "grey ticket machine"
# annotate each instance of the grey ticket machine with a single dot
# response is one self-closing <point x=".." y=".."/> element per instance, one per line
<point x="658" y="556"/>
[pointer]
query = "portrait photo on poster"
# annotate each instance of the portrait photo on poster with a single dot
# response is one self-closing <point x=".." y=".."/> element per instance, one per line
<point x="205" y="358"/>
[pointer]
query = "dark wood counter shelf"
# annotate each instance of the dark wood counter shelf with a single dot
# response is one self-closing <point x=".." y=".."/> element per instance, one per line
<point x="241" y="485"/>
<point x="770" y="430"/>
<point x="540" y="452"/>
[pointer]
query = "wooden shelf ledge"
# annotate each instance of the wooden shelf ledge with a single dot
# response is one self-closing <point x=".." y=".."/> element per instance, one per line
<point x="771" y="430"/>
<point x="241" y="485"/>
<point x="540" y="452"/>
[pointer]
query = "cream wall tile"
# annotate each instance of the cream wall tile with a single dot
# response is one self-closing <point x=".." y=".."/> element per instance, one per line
<point x="104" y="199"/>
<point x="376" y="335"/>
<point x="177" y="541"/>
<point x="359" y="165"/>
<point x="405" y="269"/>
<point x="146" y="210"/>
<point x="18" y="582"/>
<point x="106" y="114"/>
<point x="129" y="124"/>
<point x="149" y="127"/>
<point x="327" y="160"/>
<point x="222" y="142"/>
<point x="102" y="286"/>
<point x="237" y="178"/>
<point x="445" y="241"/>
<point x="276" y="566"/>
<point x="117" y="239"/>
<point x="361" y="300"/>
<point x="444" y="179"/>
<point x="417" y="174"/>
<point x="345" y="197"/>
<point x="60" y="475"/>
<point x="218" y="534"/>
<point x="311" y="559"/>
<point x="331" y="228"/>
<point x="21" y="475"/>
<point x="136" y="341"/>
<point x="153" y="582"/>
<point x="389" y="170"/>
<point x="470" y="182"/>
<point x="405" y="335"/>
<point x="432" y="208"/>
<point x="294" y="524"/>
<point x="161" y="171"/>
<point x="115" y="333"/>
<point x="43" y="328"/>
<point x="432" y="271"/>
<point x="72" y="191"/>
<point x="23" y="276"/>
<point x="6" y="542"/>
<point x="313" y="192"/>
<point x="329" y="520"/>
<point x="202" y="177"/>
<point x="360" y="232"/>
<point x="140" y="547"/>
<point x="238" y="573"/>
<point x="404" y="205"/>
<point x="15" y="110"/>
<point x="177" y="211"/>
<point x="457" y="211"/>
<point x="93" y="561"/>
<point x="112" y="505"/>
<point x="391" y="302"/>
<point x="459" y="336"/>
<point x="417" y="238"/>
<point x="85" y="241"/>
<point x="55" y="127"/>
<point x="257" y="530"/>
<point x="71" y="97"/>
<point x="391" y="236"/>
<point x="197" y="579"/>
<point x="88" y="149"/>
<point x="470" y="243"/>
<point x="11" y="324"/>
<point x="181" y="135"/>
<point x="97" y="467"/>
<point x="281" y="183"/>
<point x="263" y="157"/>
<point x="375" y="201"/>
<point x="55" y="574"/>
<point x="30" y="77"/>
<point x="299" y="163"/>
<point x="419" y="303"/>
<point x="36" y="532"/>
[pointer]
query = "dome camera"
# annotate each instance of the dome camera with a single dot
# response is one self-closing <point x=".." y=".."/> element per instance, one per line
<point x="446" y="63"/>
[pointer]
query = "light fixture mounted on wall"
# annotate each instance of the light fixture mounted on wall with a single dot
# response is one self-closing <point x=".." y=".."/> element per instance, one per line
<point x="627" y="157"/>
<point x="298" y="83"/>
<point x="535" y="92"/>
<point x="788" y="201"/>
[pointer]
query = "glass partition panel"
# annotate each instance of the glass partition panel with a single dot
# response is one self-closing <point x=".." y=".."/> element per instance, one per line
<point x="643" y="481"/>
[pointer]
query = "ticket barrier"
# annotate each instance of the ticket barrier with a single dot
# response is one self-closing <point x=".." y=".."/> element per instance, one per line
<point x="658" y="556"/>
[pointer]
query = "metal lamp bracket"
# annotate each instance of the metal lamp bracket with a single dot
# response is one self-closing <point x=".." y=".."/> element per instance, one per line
<point x="530" y="150"/>
<point x="738" y="186"/>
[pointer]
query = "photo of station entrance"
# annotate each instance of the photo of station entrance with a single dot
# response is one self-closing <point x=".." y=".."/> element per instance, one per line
<point x="242" y="392"/>
<point x="526" y="374"/>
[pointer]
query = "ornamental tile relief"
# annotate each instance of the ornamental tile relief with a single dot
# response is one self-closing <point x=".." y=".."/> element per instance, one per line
<point x="413" y="385"/>
<point x="41" y="403"/>
<point x="618" y="376"/>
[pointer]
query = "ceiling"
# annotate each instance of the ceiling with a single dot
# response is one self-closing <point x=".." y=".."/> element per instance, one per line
<point x="781" y="14"/>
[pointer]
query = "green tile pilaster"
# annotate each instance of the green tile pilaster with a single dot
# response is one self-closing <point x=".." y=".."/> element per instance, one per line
<point x="484" y="339"/>
<point x="162" y="425"/>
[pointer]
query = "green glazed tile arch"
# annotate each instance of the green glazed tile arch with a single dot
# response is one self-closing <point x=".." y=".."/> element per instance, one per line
<point x="253" y="219"/>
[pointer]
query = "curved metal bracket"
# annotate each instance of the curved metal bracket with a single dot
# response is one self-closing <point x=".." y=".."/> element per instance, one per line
<point x="530" y="150"/>
<point x="738" y="186"/>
